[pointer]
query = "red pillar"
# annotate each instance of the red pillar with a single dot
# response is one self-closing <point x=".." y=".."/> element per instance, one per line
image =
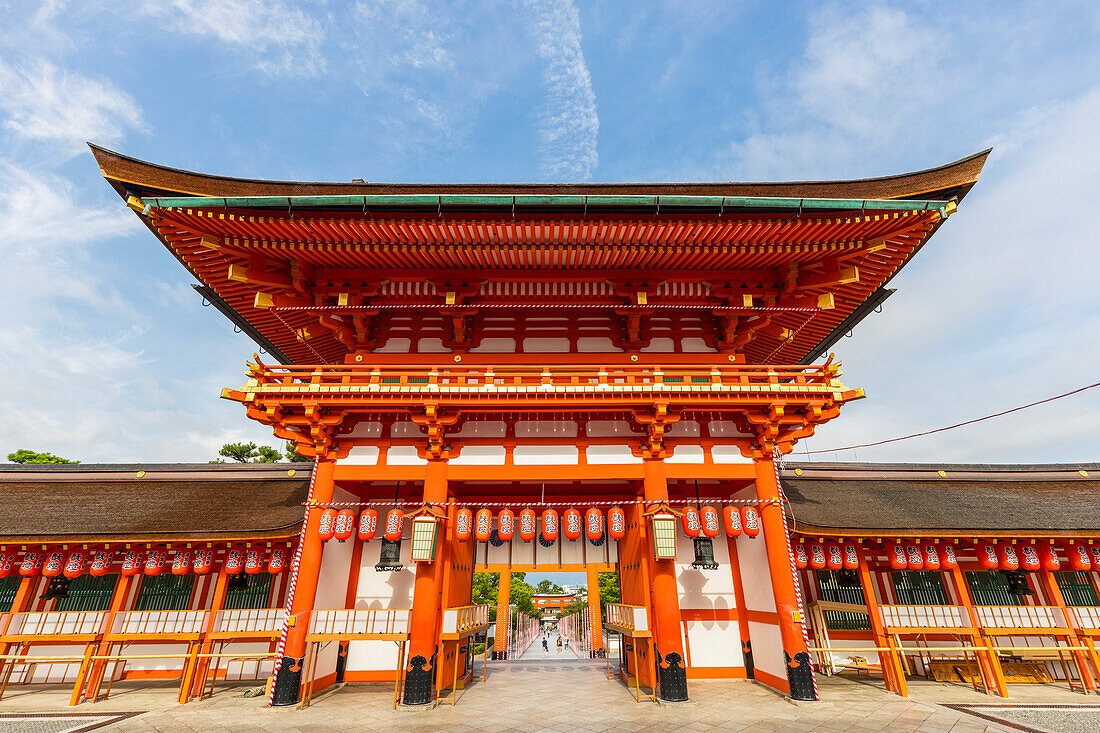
<point x="799" y="673"/>
<point x="665" y="601"/>
<point x="288" y="679"/>
<point x="595" y="622"/>
<point x="425" y="616"/>
<point x="504" y="617"/>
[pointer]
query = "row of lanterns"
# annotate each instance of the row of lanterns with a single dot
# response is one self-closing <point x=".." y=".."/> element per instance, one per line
<point x="52" y="563"/>
<point x="341" y="524"/>
<point x="931" y="555"/>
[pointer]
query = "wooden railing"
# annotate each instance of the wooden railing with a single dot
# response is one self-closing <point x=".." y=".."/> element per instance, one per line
<point x="353" y="378"/>
<point x="465" y="618"/>
<point x="1088" y="617"/>
<point x="247" y="620"/>
<point x="159" y="622"/>
<point x="933" y="617"/>
<point x="631" y="618"/>
<point x="1020" y="617"/>
<point x="55" y="623"/>
<point x="359" y="621"/>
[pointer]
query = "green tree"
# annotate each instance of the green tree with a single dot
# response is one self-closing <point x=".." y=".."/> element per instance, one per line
<point x="248" y="453"/>
<point x="294" y="456"/>
<point x="610" y="592"/>
<point x="29" y="456"/>
<point x="520" y="595"/>
<point x="548" y="586"/>
<point x="486" y="589"/>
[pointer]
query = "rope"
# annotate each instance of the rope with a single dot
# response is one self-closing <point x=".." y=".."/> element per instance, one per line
<point x="309" y="346"/>
<point x="961" y="424"/>
<point x="293" y="583"/>
<point x="794" y="569"/>
<point x="794" y="335"/>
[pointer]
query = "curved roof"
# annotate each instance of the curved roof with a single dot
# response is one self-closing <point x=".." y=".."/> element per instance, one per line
<point x="141" y="179"/>
<point x="970" y="500"/>
<point x="239" y="237"/>
<point x="109" y="503"/>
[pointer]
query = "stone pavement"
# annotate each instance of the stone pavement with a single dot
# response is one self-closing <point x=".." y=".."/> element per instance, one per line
<point x="551" y="696"/>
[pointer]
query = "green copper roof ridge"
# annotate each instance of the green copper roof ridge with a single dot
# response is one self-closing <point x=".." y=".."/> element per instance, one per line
<point x="501" y="200"/>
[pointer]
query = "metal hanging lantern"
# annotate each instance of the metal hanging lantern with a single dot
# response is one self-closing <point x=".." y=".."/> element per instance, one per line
<point x="389" y="559"/>
<point x="704" y="554"/>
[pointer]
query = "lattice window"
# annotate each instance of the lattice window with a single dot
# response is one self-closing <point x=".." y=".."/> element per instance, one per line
<point x="8" y="588"/>
<point x="991" y="588"/>
<point x="919" y="588"/>
<point x="165" y="593"/>
<point x="89" y="593"/>
<point x="248" y="591"/>
<point x="1076" y="588"/>
<point x="840" y="586"/>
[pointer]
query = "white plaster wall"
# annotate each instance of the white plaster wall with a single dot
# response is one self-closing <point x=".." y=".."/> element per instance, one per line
<point x="596" y="344"/>
<point x="403" y="455"/>
<point x="713" y="643"/>
<point x="683" y="429"/>
<point x="767" y="649"/>
<point x="332" y="584"/>
<point x="608" y="428"/>
<point x="481" y="429"/>
<point x="686" y="454"/>
<point x="545" y="345"/>
<point x="727" y="454"/>
<point x="431" y="346"/>
<point x="606" y="454"/>
<point x="723" y="429"/>
<point x="537" y="455"/>
<point x="752" y="556"/>
<point x="495" y="346"/>
<point x="480" y="455"/>
<point x="381" y="590"/>
<point x="661" y="345"/>
<point x="362" y="455"/>
<point x="546" y="428"/>
<point x="366" y="430"/>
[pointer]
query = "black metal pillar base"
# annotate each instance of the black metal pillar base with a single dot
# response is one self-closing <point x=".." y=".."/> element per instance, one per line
<point x="418" y="680"/>
<point x="341" y="661"/>
<point x="746" y="651"/>
<point x="288" y="683"/>
<point x="800" y="677"/>
<point x="672" y="679"/>
<point x="499" y="655"/>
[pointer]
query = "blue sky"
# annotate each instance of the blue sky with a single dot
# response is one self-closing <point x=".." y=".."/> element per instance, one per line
<point x="107" y="355"/>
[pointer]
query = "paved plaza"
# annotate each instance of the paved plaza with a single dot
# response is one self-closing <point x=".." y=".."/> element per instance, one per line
<point x="561" y="695"/>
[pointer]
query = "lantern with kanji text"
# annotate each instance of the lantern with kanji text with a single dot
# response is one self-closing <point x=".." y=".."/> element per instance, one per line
<point x="181" y="562"/>
<point x="395" y="521"/>
<point x="464" y="524"/>
<point x="549" y="525"/>
<point x="344" y="527"/>
<point x="277" y="562"/>
<point x="987" y="555"/>
<point x="690" y="520"/>
<point x="731" y="519"/>
<point x="204" y="561"/>
<point x="527" y="524"/>
<point x="851" y="556"/>
<point x="368" y="524"/>
<point x="234" y="559"/>
<point x="593" y="524"/>
<point x="801" y="559"/>
<point x="101" y="562"/>
<point x="708" y="515"/>
<point x="616" y="523"/>
<point x="750" y="521"/>
<point x="254" y="557"/>
<point x="483" y="525"/>
<point x="571" y="524"/>
<point x="326" y="527"/>
<point x="132" y="561"/>
<point x="506" y="524"/>
<point x="74" y="564"/>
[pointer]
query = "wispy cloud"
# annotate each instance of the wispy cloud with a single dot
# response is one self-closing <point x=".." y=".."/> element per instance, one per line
<point x="43" y="103"/>
<point x="568" y="123"/>
<point x="281" y="39"/>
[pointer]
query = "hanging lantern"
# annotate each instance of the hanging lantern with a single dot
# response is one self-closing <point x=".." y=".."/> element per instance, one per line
<point x="663" y="529"/>
<point x="817" y="556"/>
<point x="368" y="524"/>
<point x="914" y="558"/>
<point x="1079" y="557"/>
<point x="506" y="525"/>
<point x="326" y="528"/>
<point x="464" y="524"/>
<point x="101" y="562"/>
<point x="709" y="517"/>
<point x="132" y="562"/>
<point x="1094" y="555"/>
<point x="851" y="556"/>
<point x="896" y="556"/>
<point x="254" y="557"/>
<point x="74" y="564"/>
<point x="54" y="564"/>
<point x="277" y="562"/>
<point x="344" y="527"/>
<point x="204" y="561"/>
<point x="1048" y="556"/>
<point x="527" y="524"/>
<point x="690" y="519"/>
<point x="155" y="560"/>
<point x="571" y="524"/>
<point x="593" y="524"/>
<point x="483" y="525"/>
<point x="32" y="563"/>
<point x="731" y="518"/>
<point x="616" y="523"/>
<point x="234" y="560"/>
<point x="425" y="533"/>
<point x="834" y="560"/>
<point x="550" y="525"/>
<point x="987" y="556"/>
<point x="395" y="520"/>
<point x="181" y="562"/>
<point x="1006" y="553"/>
<point x="1029" y="558"/>
<point x="931" y="556"/>
<point x="801" y="560"/>
<point x="7" y="563"/>
<point x="948" y="559"/>
<point x="750" y="521"/>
